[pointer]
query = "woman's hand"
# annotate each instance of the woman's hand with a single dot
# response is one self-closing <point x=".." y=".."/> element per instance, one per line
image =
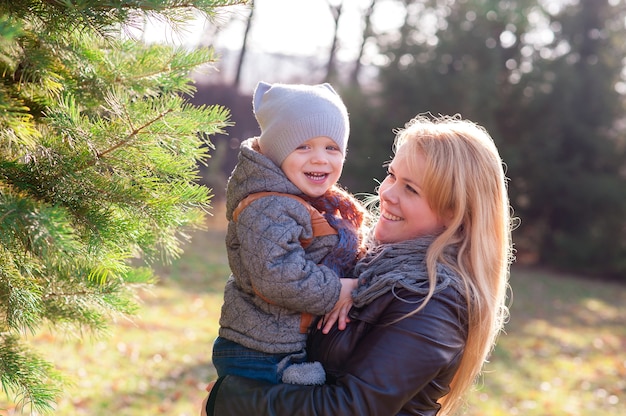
<point x="203" y="408"/>
<point x="208" y="388"/>
<point x="339" y="313"/>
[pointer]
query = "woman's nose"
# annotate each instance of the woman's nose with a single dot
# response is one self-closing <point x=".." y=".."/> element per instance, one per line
<point x="387" y="193"/>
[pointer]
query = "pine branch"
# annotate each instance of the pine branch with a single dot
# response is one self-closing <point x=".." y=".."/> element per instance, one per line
<point x="35" y="381"/>
<point x="99" y="155"/>
<point x="131" y="136"/>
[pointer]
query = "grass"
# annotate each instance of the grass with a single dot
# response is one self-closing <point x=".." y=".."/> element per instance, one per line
<point x="563" y="353"/>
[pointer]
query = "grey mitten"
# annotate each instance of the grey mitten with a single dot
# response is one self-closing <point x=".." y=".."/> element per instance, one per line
<point x="305" y="373"/>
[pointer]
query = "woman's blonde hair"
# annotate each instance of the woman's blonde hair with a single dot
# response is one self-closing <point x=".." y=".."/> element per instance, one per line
<point x="464" y="182"/>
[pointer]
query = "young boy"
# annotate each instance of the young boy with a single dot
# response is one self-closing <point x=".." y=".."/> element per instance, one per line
<point x="283" y="274"/>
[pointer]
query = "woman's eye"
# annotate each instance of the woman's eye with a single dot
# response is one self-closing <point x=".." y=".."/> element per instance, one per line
<point x="412" y="190"/>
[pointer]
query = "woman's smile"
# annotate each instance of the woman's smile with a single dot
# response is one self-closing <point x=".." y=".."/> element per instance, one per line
<point x="390" y="217"/>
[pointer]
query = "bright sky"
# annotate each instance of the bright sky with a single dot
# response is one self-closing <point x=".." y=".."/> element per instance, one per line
<point x="284" y="26"/>
<point x="291" y="27"/>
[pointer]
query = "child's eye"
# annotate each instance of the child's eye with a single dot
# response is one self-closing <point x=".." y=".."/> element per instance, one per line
<point x="333" y="148"/>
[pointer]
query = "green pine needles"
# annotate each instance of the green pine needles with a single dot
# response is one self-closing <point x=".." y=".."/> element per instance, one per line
<point x="99" y="153"/>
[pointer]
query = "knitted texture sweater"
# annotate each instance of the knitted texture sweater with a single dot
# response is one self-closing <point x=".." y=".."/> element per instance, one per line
<point x="274" y="279"/>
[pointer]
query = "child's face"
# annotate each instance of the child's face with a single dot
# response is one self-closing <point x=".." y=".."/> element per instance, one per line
<point x="314" y="166"/>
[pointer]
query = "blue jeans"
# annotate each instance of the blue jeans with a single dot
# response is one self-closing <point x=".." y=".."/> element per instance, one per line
<point x="231" y="358"/>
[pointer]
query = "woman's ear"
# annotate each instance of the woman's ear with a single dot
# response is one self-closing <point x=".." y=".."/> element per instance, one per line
<point x="447" y="218"/>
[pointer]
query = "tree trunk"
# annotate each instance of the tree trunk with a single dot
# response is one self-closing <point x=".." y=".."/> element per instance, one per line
<point x="331" y="70"/>
<point x="367" y="30"/>
<point x="242" y="53"/>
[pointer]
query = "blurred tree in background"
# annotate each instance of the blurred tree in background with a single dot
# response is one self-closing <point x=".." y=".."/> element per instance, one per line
<point x="99" y="153"/>
<point x="547" y="80"/>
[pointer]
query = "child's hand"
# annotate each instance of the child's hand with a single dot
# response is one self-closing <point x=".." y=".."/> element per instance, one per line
<point x="339" y="313"/>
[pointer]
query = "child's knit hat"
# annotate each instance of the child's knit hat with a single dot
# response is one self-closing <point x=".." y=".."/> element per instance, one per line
<point x="291" y="114"/>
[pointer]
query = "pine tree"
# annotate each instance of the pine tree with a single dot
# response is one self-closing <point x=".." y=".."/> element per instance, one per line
<point x="99" y="153"/>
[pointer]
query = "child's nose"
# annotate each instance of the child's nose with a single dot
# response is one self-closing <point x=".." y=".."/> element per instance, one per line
<point x="319" y="156"/>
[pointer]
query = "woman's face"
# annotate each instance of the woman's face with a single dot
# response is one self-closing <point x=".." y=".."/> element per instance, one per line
<point x="404" y="210"/>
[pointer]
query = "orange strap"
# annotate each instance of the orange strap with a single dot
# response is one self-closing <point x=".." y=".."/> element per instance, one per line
<point x="318" y="223"/>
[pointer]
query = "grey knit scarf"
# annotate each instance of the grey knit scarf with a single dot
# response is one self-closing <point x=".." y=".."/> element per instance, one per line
<point x="387" y="267"/>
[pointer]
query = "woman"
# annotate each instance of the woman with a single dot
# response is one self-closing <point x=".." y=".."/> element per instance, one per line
<point x="431" y="292"/>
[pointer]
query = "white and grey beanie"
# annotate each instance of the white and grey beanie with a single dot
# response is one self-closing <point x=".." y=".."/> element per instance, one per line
<point x="290" y="114"/>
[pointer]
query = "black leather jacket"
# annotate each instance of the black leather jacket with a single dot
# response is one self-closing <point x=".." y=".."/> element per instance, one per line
<point x="375" y="367"/>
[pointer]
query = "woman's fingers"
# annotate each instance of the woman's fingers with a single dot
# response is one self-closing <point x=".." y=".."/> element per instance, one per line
<point x="203" y="408"/>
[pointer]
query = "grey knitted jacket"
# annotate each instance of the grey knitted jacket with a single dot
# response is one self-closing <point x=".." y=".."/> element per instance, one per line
<point x="264" y="253"/>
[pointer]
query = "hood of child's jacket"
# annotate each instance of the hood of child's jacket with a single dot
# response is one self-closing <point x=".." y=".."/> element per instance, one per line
<point x="253" y="173"/>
